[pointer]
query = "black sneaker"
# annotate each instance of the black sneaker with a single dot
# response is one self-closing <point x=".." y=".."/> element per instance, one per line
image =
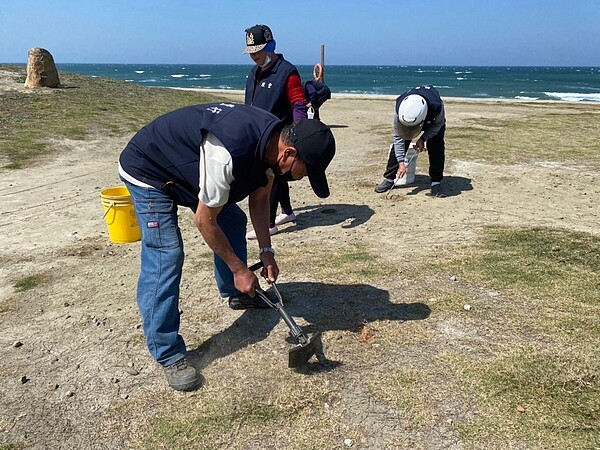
<point x="384" y="186"/>
<point x="438" y="191"/>
<point x="244" y="301"/>
<point x="182" y="376"/>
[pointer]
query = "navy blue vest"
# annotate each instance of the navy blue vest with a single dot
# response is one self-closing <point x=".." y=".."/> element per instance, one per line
<point x="432" y="98"/>
<point x="269" y="92"/>
<point x="166" y="153"/>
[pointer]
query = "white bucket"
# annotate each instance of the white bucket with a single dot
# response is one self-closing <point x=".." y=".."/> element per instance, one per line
<point x="411" y="168"/>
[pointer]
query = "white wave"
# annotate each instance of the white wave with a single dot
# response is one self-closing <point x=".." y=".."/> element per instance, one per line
<point x="460" y="78"/>
<point x="139" y="71"/>
<point x="574" y="96"/>
<point x="178" y="75"/>
<point x="522" y="97"/>
<point x="205" y="75"/>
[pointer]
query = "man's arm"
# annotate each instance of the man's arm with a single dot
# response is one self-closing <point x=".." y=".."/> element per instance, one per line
<point x="399" y="149"/>
<point x="399" y="145"/>
<point x="206" y="221"/>
<point x="295" y="96"/>
<point x="258" y="205"/>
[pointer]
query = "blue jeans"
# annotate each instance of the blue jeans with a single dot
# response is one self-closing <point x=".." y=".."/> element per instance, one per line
<point x="161" y="267"/>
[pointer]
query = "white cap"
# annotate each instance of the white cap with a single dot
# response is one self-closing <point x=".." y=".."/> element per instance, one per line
<point x="411" y="114"/>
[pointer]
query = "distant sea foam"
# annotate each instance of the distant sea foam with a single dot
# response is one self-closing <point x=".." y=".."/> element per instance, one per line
<point x="524" y="83"/>
<point x="574" y="97"/>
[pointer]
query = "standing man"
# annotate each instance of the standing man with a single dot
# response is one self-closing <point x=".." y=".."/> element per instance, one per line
<point x="274" y="85"/>
<point x="208" y="158"/>
<point x="419" y="109"/>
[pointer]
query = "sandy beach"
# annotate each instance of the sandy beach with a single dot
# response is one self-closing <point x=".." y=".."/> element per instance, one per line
<point x="87" y="371"/>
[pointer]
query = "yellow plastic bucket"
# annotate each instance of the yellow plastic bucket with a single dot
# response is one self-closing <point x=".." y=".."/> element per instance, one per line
<point x="120" y="215"/>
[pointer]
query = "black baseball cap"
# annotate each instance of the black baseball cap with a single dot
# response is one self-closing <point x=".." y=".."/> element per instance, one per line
<point x="316" y="147"/>
<point x="257" y="38"/>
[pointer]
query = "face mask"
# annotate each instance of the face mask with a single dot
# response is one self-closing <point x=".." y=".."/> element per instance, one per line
<point x="283" y="176"/>
<point x="267" y="61"/>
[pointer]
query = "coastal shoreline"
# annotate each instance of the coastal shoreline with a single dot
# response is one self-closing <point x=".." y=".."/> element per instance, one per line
<point x="334" y="95"/>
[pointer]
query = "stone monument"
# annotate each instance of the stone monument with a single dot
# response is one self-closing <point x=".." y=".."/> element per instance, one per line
<point x="41" y="70"/>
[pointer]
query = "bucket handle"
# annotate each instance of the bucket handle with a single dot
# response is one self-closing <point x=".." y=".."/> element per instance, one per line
<point x="109" y="208"/>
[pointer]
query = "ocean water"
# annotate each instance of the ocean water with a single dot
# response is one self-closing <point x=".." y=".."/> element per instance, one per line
<point x="529" y="83"/>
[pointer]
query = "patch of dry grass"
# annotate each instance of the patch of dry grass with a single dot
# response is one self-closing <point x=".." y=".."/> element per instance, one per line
<point x="346" y="263"/>
<point x="539" y="383"/>
<point x="519" y="133"/>
<point x="506" y="373"/>
<point x="84" y="106"/>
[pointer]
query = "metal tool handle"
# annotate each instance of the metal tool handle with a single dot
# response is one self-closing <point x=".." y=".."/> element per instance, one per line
<point x="255" y="267"/>
<point x="295" y="330"/>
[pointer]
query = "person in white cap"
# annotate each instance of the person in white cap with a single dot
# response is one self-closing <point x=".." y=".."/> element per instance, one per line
<point x="419" y="123"/>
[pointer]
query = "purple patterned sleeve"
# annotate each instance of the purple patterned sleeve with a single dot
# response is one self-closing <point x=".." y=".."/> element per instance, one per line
<point x="299" y="111"/>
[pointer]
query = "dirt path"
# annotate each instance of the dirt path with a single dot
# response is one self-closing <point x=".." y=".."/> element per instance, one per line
<point x="82" y="352"/>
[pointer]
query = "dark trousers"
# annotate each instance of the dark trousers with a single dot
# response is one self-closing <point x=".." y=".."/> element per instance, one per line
<point x="437" y="157"/>
<point x="280" y="194"/>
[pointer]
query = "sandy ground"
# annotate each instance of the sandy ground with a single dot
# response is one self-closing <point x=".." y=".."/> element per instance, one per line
<point x="82" y="354"/>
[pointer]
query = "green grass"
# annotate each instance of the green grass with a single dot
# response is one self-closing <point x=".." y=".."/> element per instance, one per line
<point x="518" y="133"/>
<point x="344" y="263"/>
<point x="29" y="282"/>
<point x="405" y="390"/>
<point x="545" y="399"/>
<point x="209" y="426"/>
<point x="238" y="412"/>
<point x="544" y="357"/>
<point x="10" y="447"/>
<point x="84" y="106"/>
<point x="557" y="264"/>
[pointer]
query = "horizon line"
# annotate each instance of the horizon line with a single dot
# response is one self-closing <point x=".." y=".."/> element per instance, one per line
<point x="334" y="65"/>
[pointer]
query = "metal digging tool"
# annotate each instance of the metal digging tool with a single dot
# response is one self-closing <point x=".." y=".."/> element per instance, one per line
<point x="304" y="346"/>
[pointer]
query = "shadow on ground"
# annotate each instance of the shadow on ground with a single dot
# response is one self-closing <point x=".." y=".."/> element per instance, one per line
<point x="349" y="215"/>
<point x="325" y="307"/>
<point x="453" y="185"/>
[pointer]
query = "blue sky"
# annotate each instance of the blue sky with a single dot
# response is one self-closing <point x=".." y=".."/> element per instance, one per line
<point x="386" y="32"/>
